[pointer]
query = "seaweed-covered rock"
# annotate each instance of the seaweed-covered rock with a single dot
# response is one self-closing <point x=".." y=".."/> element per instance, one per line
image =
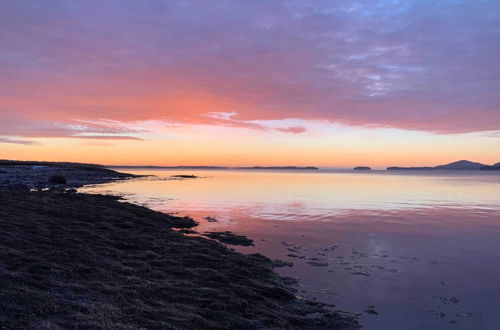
<point x="229" y="238"/>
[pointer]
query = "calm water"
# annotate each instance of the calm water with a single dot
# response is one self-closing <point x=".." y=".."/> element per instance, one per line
<point x="423" y="248"/>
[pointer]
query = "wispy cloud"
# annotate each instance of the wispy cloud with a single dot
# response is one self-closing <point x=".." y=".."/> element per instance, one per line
<point x="493" y="134"/>
<point x="106" y="137"/>
<point x="16" y="141"/>
<point x="110" y="130"/>
<point x="292" y="129"/>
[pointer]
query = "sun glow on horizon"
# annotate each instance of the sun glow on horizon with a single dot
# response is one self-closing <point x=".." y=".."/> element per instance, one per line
<point x="321" y="144"/>
<point x="243" y="83"/>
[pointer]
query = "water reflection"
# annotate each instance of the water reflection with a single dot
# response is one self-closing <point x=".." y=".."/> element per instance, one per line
<point x="306" y="195"/>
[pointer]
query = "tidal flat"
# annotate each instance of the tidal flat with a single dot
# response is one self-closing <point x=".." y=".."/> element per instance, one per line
<point x="72" y="260"/>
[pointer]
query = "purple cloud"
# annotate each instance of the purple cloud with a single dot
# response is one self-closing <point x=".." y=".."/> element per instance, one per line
<point x="419" y="65"/>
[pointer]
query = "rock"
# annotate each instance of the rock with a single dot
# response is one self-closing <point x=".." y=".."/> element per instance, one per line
<point x="317" y="263"/>
<point x="57" y="179"/>
<point x="291" y="255"/>
<point x="229" y="238"/>
<point x="187" y="231"/>
<point x="360" y="273"/>
<point x="371" y="310"/>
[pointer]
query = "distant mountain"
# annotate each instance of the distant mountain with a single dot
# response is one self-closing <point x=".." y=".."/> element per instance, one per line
<point x="362" y="168"/>
<point x="459" y="165"/>
<point x="494" y="167"/>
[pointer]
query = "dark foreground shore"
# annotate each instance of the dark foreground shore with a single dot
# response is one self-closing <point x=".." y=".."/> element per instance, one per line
<point x="78" y="261"/>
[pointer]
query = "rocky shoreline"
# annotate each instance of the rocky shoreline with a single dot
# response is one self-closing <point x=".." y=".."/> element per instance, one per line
<point x="72" y="260"/>
<point x="38" y="175"/>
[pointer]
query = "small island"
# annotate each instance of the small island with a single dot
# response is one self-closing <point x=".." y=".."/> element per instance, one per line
<point x="362" y="168"/>
<point x="276" y="168"/>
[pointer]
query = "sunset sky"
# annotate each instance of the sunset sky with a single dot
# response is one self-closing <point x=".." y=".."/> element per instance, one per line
<point x="240" y="82"/>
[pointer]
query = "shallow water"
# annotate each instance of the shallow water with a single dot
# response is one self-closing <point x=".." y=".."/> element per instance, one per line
<point x="421" y="247"/>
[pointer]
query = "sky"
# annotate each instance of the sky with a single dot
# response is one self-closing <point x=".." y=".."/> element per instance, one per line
<point x="239" y="82"/>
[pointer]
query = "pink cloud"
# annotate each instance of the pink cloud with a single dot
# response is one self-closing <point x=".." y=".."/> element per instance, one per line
<point x="292" y="129"/>
<point x="106" y="137"/>
<point x="355" y="62"/>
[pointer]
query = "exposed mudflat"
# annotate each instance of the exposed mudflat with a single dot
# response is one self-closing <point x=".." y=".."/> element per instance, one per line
<point x="91" y="262"/>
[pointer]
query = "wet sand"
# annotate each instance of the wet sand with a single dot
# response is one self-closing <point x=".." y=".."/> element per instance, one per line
<point x="421" y="278"/>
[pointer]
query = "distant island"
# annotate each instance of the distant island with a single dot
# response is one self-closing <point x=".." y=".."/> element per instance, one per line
<point x="494" y="167"/>
<point x="396" y="168"/>
<point x="218" y="167"/>
<point x="363" y="168"/>
<point x="171" y="167"/>
<point x="459" y="165"/>
<point x="276" y="168"/>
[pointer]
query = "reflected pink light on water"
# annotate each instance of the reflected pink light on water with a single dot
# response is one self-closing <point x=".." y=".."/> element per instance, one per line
<point x="311" y="195"/>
